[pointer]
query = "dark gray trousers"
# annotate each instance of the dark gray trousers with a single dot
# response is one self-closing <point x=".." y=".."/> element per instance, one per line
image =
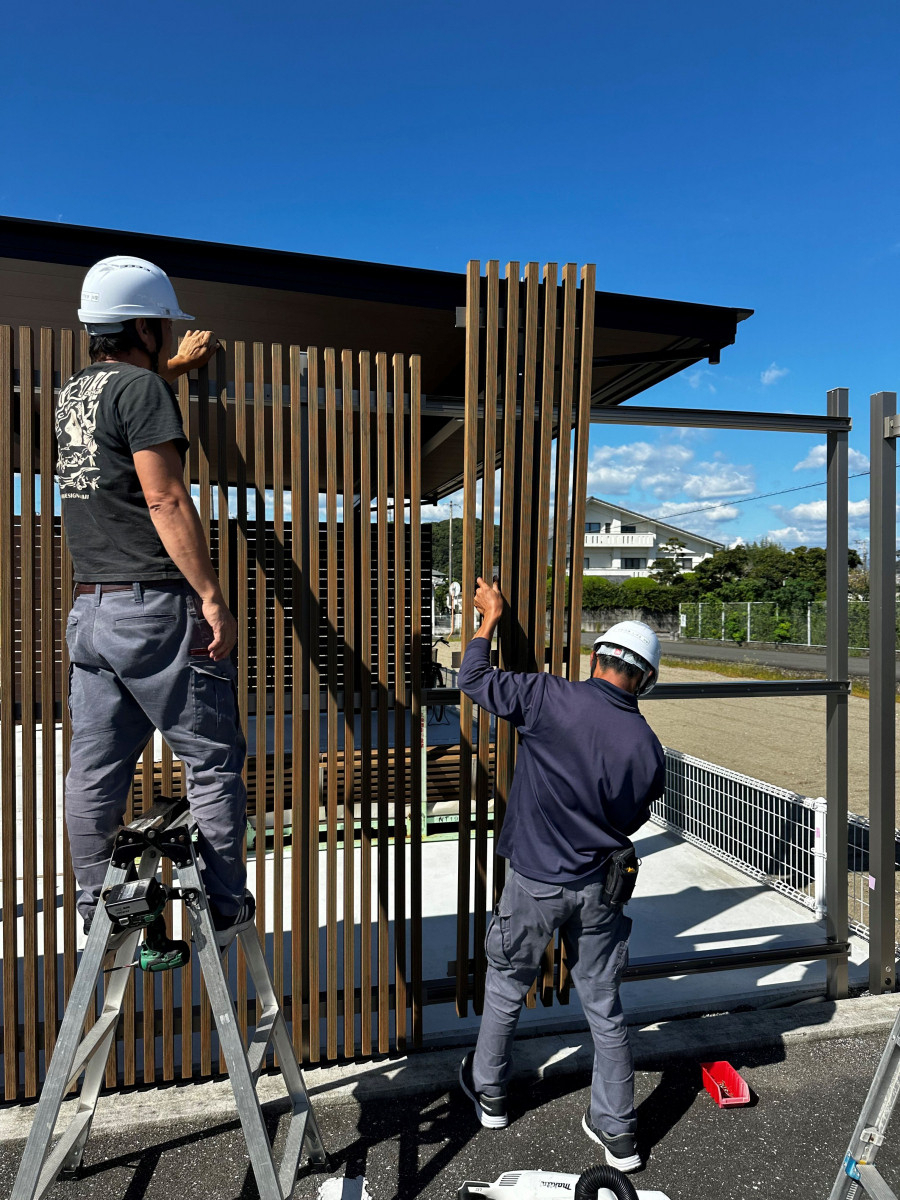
<point x="132" y="673"/>
<point x="596" y="940"/>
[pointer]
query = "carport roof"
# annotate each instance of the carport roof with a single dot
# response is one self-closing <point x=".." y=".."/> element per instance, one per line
<point x="283" y="296"/>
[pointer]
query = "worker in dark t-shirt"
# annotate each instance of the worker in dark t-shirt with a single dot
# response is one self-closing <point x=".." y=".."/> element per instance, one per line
<point x="149" y="634"/>
<point x="587" y="770"/>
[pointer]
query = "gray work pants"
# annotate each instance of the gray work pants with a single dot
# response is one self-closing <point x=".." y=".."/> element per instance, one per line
<point x="596" y="941"/>
<point x="132" y="673"/>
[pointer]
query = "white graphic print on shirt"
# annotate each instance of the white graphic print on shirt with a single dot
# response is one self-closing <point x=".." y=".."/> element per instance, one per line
<point x="76" y="420"/>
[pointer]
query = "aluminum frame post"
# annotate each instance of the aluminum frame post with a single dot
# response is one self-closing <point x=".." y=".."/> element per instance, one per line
<point x="882" y="704"/>
<point x="836" y="669"/>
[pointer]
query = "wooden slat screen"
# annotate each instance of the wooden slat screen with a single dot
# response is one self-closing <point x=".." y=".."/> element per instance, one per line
<point x="333" y="600"/>
<point x="542" y="395"/>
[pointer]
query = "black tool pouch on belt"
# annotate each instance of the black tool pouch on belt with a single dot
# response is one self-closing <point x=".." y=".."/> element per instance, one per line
<point x="621" y="876"/>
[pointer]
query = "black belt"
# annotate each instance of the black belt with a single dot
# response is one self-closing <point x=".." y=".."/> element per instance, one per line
<point x="90" y="589"/>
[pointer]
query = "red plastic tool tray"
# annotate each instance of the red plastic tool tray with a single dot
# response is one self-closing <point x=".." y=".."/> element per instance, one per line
<point x="724" y="1084"/>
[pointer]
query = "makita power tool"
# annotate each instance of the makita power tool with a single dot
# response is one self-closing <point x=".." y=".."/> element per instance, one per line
<point x="596" y="1183"/>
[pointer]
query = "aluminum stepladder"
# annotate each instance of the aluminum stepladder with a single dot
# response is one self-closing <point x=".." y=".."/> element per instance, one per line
<point x="166" y="832"/>
<point x="858" y="1175"/>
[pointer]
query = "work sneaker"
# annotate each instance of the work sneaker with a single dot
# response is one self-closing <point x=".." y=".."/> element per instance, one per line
<point x="228" y="926"/>
<point x="490" y="1110"/>
<point x="621" y="1152"/>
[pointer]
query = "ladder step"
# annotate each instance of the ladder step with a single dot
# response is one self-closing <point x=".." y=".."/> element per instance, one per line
<point x="293" y="1150"/>
<point x="262" y="1036"/>
<point x="54" y="1163"/>
<point x="91" y="1043"/>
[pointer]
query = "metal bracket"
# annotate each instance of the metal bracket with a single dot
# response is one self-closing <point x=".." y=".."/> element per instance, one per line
<point x="892" y="426"/>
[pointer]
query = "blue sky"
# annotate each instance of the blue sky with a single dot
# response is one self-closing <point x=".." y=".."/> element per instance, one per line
<point x="737" y="155"/>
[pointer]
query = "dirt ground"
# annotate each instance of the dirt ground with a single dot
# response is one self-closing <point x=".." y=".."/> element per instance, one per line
<point x="778" y="741"/>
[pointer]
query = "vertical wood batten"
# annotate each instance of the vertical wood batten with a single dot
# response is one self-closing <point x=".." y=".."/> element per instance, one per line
<point x="486" y="570"/>
<point x="506" y="749"/>
<point x="312" y="649"/>
<point x="400" y="703"/>
<point x="542" y="523"/>
<point x="561" y="501"/>
<point x="331" y="769"/>
<point x="66" y="362"/>
<point x="49" y="579"/>
<point x="383" y="731"/>
<point x="243" y="618"/>
<point x="261" y="665"/>
<point x="365" y="696"/>
<point x="280" y="652"/>
<point x="415" y="699"/>
<point x="525" y="651"/>
<point x="299" y="689"/>
<point x="350" y="659"/>
<point x="7" y="721"/>
<point x="28" y="760"/>
<point x="470" y="471"/>
<point x="581" y="454"/>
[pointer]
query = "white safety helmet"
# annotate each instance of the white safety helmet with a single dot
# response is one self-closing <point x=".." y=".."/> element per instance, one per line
<point x="123" y="287"/>
<point x="636" y="643"/>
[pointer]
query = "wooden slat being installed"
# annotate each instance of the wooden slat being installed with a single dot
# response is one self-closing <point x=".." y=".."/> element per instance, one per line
<point x="279" y="583"/>
<point x="545" y="396"/>
<point x="486" y="570"/>
<point x="331" y="858"/>
<point x="400" y="706"/>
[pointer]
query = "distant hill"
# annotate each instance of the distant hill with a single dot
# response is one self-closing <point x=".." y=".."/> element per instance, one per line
<point x="440" y="546"/>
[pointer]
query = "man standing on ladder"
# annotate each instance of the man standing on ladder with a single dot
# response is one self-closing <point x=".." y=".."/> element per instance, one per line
<point x="149" y="635"/>
<point x="587" y="771"/>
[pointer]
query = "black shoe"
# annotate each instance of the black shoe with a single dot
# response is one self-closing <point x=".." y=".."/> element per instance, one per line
<point x="229" y="925"/>
<point x="621" y="1151"/>
<point x="490" y="1110"/>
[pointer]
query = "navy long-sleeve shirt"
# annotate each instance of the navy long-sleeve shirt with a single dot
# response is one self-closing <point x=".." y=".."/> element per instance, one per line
<point x="588" y="767"/>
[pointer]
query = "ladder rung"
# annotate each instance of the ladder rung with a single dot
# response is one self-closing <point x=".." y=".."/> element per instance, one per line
<point x="262" y="1036"/>
<point x="873" y="1183"/>
<point x="293" y="1150"/>
<point x="55" y="1161"/>
<point x="91" y="1043"/>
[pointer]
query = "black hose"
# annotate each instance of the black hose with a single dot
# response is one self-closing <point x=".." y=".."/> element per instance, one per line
<point x="604" y="1177"/>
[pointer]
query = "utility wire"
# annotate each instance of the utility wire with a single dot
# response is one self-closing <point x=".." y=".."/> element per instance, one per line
<point x="764" y="496"/>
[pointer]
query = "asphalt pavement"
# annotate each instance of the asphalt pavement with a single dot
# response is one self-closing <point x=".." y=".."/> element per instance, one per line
<point x="401" y="1128"/>
<point x="764" y="655"/>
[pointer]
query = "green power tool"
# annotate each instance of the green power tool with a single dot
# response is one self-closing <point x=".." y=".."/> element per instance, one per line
<point x="139" y="904"/>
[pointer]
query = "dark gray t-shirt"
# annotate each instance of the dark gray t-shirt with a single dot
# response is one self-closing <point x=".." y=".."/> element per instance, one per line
<point x="105" y="413"/>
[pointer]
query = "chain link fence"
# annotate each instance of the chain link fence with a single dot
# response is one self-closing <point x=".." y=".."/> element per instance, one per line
<point x="764" y="621"/>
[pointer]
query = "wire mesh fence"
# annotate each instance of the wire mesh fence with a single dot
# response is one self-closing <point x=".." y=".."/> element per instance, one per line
<point x="764" y="621"/>
<point x="772" y="834"/>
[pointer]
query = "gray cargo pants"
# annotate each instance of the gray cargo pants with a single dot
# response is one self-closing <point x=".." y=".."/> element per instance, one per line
<point x="132" y="672"/>
<point x="596" y="940"/>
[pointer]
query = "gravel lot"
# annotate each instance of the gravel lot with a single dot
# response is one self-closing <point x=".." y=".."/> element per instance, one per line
<point x="779" y="741"/>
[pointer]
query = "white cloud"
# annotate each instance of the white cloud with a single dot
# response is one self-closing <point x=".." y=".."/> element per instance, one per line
<point x="815" y="512"/>
<point x="725" y="512"/>
<point x="817" y="459"/>
<point x="789" y="536"/>
<point x="696" y="378"/>
<point x="772" y="374"/>
<point x="719" y="479"/>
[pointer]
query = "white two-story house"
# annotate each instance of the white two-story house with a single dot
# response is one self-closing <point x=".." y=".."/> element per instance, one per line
<point x="619" y="543"/>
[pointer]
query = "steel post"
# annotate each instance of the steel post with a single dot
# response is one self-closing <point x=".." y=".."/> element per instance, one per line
<point x="836" y="661"/>
<point x="882" y="735"/>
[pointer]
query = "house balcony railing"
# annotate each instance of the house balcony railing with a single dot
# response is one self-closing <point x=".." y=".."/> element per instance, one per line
<point x="620" y="539"/>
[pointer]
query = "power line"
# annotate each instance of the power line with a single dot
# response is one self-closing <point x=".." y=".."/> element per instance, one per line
<point x="763" y="496"/>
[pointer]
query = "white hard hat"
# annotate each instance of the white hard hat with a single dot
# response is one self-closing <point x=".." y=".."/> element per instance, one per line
<point x="123" y="287"/>
<point x="636" y="643"/>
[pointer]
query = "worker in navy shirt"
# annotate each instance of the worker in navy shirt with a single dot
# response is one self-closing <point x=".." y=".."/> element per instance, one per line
<point x="587" y="770"/>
